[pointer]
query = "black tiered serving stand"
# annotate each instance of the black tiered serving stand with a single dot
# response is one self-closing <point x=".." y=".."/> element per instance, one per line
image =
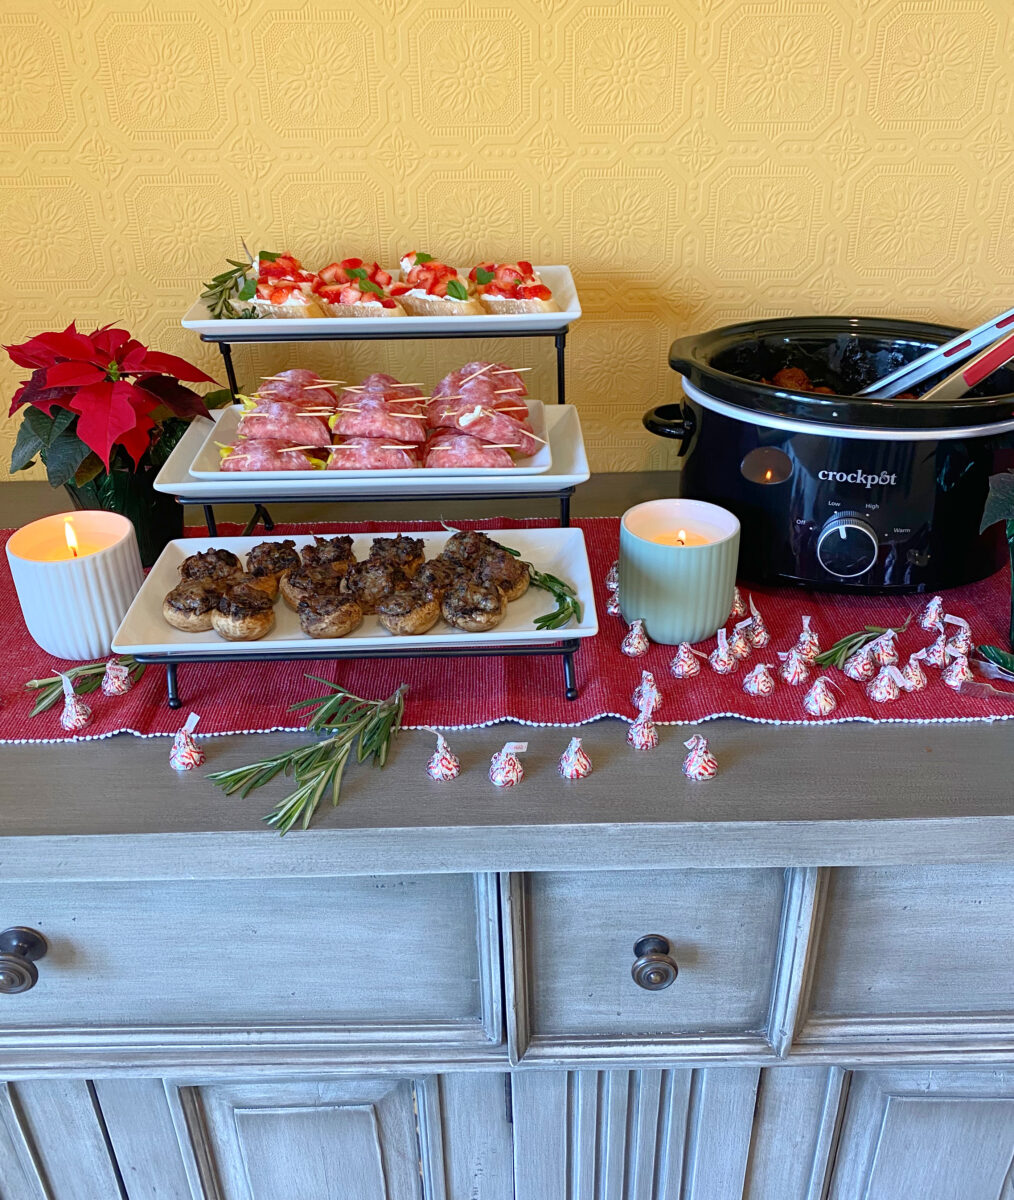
<point x="565" y="648"/>
<point x="226" y="341"/>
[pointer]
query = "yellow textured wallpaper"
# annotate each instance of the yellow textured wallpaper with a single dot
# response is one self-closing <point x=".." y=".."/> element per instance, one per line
<point x="695" y="162"/>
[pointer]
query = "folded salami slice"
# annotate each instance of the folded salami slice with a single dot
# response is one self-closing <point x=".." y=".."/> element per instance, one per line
<point x="365" y="454"/>
<point x="463" y="450"/>
<point x="297" y="385"/>
<point x="267" y="455"/>
<point x="284" y="423"/>
<point x="498" y="374"/>
<point x="486" y="424"/>
<point x="371" y="415"/>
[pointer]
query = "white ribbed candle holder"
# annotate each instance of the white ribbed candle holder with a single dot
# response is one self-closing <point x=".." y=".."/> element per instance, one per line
<point x="73" y="606"/>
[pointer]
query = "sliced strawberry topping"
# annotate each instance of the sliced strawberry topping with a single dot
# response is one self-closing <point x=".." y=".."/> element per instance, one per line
<point x="508" y="273"/>
<point x="399" y="289"/>
<point x="526" y="267"/>
<point x="500" y="289"/>
<point x="536" y="291"/>
<point x="387" y="302"/>
<point x="350" y="295"/>
<point x="352" y="263"/>
<point x="379" y="276"/>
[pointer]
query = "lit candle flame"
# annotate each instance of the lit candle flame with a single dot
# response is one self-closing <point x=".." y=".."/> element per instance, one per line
<point x="767" y="475"/>
<point x="681" y="538"/>
<point x="71" y="537"/>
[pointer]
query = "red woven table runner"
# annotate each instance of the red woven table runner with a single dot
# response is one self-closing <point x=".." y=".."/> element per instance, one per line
<point x="459" y="693"/>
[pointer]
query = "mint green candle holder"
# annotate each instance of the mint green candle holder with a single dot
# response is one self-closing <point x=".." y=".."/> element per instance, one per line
<point x="681" y="593"/>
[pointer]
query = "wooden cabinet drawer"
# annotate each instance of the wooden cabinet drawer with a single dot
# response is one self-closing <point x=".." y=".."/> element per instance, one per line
<point x="355" y="958"/>
<point x="571" y="955"/>
<point x="917" y="951"/>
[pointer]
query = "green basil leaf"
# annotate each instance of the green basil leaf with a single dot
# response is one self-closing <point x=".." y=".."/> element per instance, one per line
<point x="356" y="272"/>
<point x="248" y="290"/>
<point x="367" y="285"/>
<point x="483" y="276"/>
<point x="421" y="258"/>
<point x="457" y="289"/>
<point x="268" y="255"/>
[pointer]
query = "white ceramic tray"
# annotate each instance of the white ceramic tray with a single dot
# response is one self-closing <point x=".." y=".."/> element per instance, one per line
<point x="563" y="429"/>
<point x="561" y="552"/>
<point x="207" y="462"/>
<point x="558" y="279"/>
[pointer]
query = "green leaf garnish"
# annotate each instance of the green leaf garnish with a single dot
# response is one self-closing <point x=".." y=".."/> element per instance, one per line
<point x="367" y="285"/>
<point x="483" y="276"/>
<point x="356" y="272"/>
<point x="457" y="289"/>
<point x="85" y="678"/>
<point x="421" y="258"/>
<point x="366" y="726"/>
<point x="268" y="255"/>
<point x="845" y="647"/>
<point x="248" y="290"/>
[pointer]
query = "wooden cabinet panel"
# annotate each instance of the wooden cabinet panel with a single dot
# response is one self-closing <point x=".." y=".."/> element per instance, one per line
<point x="571" y="952"/>
<point x="52" y="1145"/>
<point x="937" y="1135"/>
<point x="633" y="1135"/>
<point x="379" y="958"/>
<point x="914" y="955"/>
<point x="438" y="1138"/>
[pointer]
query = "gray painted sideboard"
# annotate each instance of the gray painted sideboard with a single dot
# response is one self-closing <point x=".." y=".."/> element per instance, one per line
<point x="430" y="996"/>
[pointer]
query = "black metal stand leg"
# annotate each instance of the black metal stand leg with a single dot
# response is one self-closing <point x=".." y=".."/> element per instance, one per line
<point x="561" y="386"/>
<point x="564" y="511"/>
<point x="172" y="685"/>
<point x="262" y="513"/>
<point x="569" y="676"/>
<point x="209" y="520"/>
<point x="230" y="371"/>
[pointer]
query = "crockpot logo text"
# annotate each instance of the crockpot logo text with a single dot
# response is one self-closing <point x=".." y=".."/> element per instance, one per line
<point x="884" y="479"/>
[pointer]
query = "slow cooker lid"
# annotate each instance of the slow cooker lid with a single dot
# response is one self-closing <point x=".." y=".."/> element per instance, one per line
<point x="843" y="353"/>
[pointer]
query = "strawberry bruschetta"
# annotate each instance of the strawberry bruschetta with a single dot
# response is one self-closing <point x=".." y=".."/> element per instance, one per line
<point x="430" y="289"/>
<point x="282" y="288"/>
<point x="351" y="289"/>
<point x="505" y="288"/>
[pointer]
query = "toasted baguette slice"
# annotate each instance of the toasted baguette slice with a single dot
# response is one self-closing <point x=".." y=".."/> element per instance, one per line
<point x="310" y="308"/>
<point x="359" y="310"/>
<point x="435" y="306"/>
<point x="506" y="306"/>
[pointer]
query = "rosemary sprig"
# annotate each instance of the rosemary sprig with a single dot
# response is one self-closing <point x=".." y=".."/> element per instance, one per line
<point x="86" y="678"/>
<point x="366" y="726"/>
<point x="234" y="284"/>
<point x="847" y="646"/>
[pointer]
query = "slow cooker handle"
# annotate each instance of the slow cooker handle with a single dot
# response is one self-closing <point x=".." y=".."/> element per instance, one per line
<point x="672" y="421"/>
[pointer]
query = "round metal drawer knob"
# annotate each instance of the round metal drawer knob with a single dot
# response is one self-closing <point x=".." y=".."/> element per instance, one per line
<point x="20" y="949"/>
<point x="654" y="968"/>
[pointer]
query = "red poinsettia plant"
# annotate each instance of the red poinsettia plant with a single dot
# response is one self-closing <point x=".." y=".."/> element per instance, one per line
<point x="97" y="401"/>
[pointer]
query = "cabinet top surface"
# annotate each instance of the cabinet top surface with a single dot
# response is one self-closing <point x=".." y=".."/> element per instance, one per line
<point x="784" y="795"/>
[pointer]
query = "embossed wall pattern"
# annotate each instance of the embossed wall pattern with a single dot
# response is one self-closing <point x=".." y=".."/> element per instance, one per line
<point x="695" y="162"/>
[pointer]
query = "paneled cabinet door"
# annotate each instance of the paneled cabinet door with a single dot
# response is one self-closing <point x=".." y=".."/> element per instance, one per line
<point x="937" y="1135"/>
<point x="376" y="1138"/>
<point x="51" y="1143"/>
<point x="633" y="1135"/>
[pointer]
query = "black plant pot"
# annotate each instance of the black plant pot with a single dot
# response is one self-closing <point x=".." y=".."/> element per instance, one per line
<point x="156" y="517"/>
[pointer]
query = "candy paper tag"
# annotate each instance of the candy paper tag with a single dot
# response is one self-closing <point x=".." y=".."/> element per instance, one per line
<point x="515" y="748"/>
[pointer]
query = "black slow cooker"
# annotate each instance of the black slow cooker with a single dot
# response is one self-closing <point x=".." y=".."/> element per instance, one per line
<point x="833" y="490"/>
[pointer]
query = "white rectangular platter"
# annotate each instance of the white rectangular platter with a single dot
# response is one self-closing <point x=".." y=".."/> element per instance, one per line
<point x="560" y="552"/>
<point x="557" y="278"/>
<point x="207" y="462"/>
<point x="563" y="430"/>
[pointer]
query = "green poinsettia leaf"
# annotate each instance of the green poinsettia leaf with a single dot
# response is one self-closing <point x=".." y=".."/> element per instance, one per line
<point x="91" y="467"/>
<point x="26" y="447"/>
<point x="457" y="289"/>
<point x="219" y="398"/>
<point x="1000" y="501"/>
<point x="63" y="456"/>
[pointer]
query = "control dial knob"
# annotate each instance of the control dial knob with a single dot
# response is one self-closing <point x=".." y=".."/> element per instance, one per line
<point x="847" y="545"/>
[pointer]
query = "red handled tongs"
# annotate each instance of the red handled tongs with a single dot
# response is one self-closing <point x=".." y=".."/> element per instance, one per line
<point x="971" y="374"/>
<point x="957" y="350"/>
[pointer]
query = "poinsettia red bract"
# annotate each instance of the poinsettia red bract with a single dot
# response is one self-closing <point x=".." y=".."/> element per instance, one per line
<point x="113" y="382"/>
